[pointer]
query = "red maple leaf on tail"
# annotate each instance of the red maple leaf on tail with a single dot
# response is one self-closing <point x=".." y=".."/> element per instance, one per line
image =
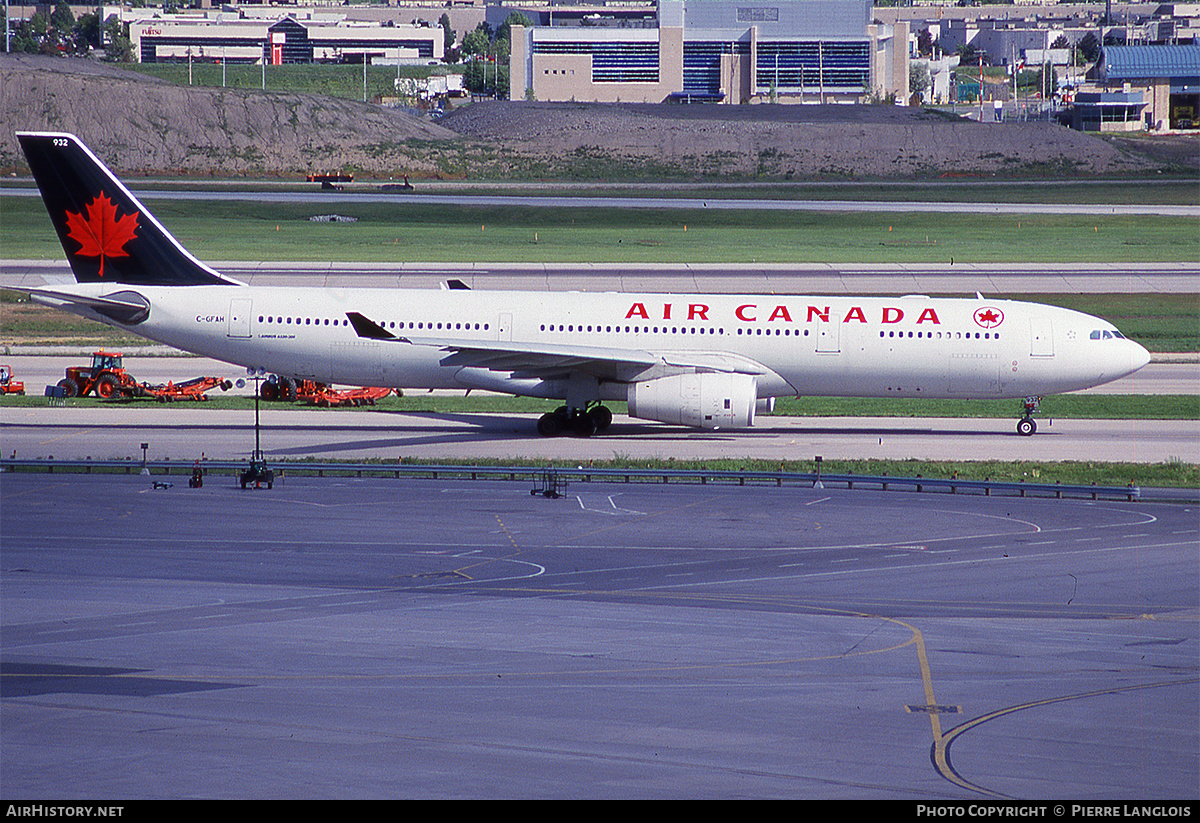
<point x="101" y="233"/>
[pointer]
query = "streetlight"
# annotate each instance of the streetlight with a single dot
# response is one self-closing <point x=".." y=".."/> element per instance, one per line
<point x="257" y="472"/>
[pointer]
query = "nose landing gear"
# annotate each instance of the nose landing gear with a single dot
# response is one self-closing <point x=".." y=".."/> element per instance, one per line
<point x="1026" y="425"/>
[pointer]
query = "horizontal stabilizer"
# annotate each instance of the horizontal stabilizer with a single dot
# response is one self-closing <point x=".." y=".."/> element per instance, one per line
<point x="127" y="307"/>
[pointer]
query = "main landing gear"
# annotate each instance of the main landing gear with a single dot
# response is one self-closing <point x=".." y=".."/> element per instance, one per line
<point x="1026" y="425"/>
<point x="579" y="422"/>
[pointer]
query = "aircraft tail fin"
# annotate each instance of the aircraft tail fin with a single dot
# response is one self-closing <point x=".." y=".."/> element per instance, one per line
<point x="107" y="234"/>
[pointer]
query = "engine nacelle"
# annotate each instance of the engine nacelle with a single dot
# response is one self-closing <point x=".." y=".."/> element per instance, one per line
<point x="708" y="400"/>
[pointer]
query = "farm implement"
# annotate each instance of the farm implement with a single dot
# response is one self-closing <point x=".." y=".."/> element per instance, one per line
<point x="108" y="380"/>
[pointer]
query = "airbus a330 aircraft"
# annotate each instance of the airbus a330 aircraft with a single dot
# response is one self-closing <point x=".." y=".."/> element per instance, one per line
<point x="703" y="360"/>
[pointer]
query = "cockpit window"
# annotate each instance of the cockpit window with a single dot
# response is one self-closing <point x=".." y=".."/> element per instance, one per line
<point x="1105" y="334"/>
<point x="1095" y="335"/>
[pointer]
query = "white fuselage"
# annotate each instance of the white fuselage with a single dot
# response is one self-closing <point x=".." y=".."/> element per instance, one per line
<point x="913" y="346"/>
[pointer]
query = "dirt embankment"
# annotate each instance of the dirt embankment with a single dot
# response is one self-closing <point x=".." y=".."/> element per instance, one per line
<point x="141" y="125"/>
<point x="797" y="142"/>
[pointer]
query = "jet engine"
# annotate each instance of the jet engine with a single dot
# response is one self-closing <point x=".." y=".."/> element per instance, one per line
<point x="709" y="400"/>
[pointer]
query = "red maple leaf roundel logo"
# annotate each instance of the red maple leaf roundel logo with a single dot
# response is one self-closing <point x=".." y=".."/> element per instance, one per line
<point x="988" y="317"/>
<point x="98" y="230"/>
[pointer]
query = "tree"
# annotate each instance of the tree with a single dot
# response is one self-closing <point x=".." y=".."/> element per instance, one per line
<point x="117" y="45"/>
<point x="87" y="32"/>
<point x="62" y="18"/>
<point x="918" y="78"/>
<point x="37" y="35"/>
<point x="448" y="35"/>
<point x="1089" y="44"/>
<point x="514" y="19"/>
<point x="28" y="34"/>
<point x="478" y="41"/>
<point x="488" y="72"/>
<point x="925" y="43"/>
<point x="56" y="33"/>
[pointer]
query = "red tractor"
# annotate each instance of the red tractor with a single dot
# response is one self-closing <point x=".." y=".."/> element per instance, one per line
<point x="7" y="384"/>
<point x="107" y="377"/>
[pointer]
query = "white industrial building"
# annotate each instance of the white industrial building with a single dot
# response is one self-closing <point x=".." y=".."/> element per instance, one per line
<point x="280" y="35"/>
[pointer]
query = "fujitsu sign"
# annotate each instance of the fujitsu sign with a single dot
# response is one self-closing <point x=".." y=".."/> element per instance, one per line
<point x="753" y="313"/>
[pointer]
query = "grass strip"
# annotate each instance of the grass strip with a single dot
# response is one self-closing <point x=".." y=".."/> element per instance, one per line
<point x="390" y="232"/>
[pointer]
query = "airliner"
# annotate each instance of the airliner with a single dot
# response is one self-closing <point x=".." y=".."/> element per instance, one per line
<point x="709" y="361"/>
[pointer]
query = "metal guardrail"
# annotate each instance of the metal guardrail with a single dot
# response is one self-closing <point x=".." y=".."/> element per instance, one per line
<point x="541" y="474"/>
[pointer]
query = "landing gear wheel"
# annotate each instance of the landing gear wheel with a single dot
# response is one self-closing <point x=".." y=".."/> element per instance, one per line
<point x="1025" y="426"/>
<point x="583" y="425"/>
<point x="549" y="425"/>
<point x="564" y="420"/>
<point x="601" y="417"/>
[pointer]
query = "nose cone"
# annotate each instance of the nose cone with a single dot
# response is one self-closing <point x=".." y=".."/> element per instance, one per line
<point x="1138" y="356"/>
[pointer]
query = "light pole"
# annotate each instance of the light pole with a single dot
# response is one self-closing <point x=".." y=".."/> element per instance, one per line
<point x="258" y="472"/>
<point x="256" y="374"/>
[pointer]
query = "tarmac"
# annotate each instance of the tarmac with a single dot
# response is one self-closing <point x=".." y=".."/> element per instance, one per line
<point x="378" y="638"/>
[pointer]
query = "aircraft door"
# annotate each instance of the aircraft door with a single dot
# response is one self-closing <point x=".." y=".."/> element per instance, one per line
<point x="1041" y="337"/>
<point x="828" y="340"/>
<point x="504" y="326"/>
<point x="239" y="317"/>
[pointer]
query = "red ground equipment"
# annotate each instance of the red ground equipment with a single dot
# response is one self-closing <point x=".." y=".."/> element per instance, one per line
<point x="7" y="384"/>
<point x="287" y="388"/>
<point x="327" y="397"/>
<point x="107" y="377"/>
<point x="195" y="389"/>
<point x="331" y="181"/>
<point x="313" y="393"/>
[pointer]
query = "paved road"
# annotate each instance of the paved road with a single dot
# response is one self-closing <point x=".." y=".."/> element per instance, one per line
<point x="423" y="639"/>
<point x="185" y="432"/>
<point x="601" y="202"/>
<point x="996" y="280"/>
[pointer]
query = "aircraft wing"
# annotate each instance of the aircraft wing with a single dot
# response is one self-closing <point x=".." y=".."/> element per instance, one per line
<point x="542" y="360"/>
